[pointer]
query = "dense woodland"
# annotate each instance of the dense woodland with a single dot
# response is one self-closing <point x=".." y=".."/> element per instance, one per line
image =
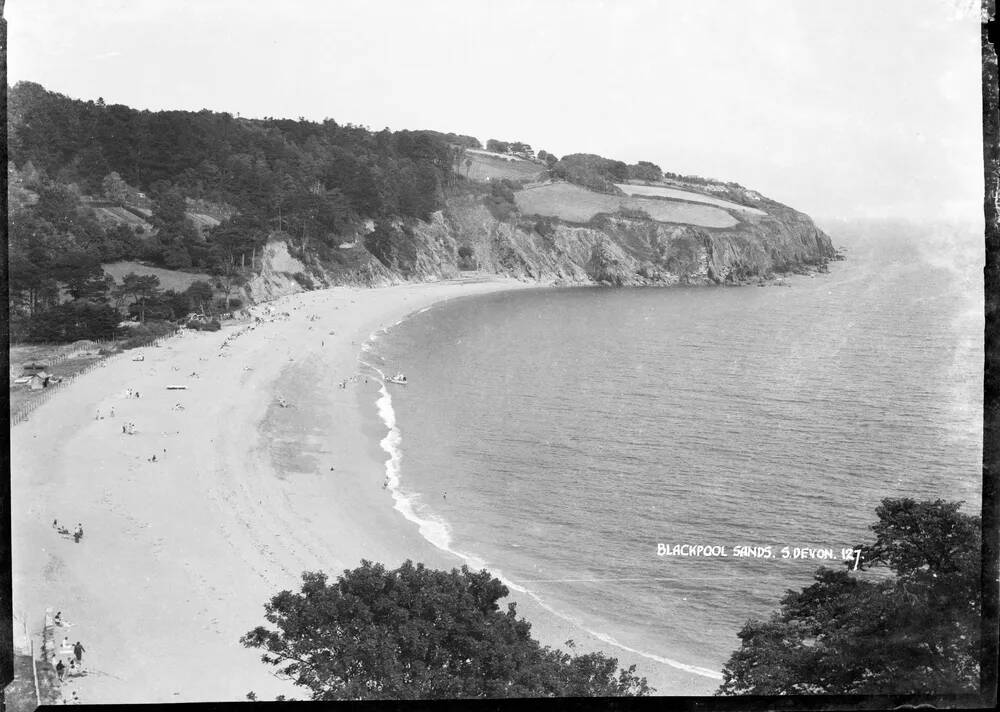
<point x="313" y="183"/>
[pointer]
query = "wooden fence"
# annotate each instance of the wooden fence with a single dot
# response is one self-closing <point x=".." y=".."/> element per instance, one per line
<point x="24" y="410"/>
<point x="68" y="352"/>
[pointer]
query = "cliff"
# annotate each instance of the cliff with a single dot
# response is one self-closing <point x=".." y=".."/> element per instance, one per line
<point x="611" y="249"/>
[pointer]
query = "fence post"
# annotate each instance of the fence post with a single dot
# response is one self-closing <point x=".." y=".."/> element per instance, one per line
<point x="34" y="673"/>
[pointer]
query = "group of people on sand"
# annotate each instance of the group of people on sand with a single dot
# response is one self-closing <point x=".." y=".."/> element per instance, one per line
<point x="128" y="428"/>
<point x="77" y="534"/>
<point x="73" y="655"/>
<point x="131" y="393"/>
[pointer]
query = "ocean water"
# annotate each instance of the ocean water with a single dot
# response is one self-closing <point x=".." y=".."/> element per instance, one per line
<point x="559" y="436"/>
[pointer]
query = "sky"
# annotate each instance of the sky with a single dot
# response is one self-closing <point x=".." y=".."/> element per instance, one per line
<point x="854" y="108"/>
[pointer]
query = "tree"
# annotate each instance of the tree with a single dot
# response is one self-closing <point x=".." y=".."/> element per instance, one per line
<point x="115" y="189"/>
<point x="519" y="148"/>
<point x="497" y="146"/>
<point x="915" y="632"/>
<point x="229" y="278"/>
<point x="92" y="285"/>
<point x="176" y="256"/>
<point x="644" y="170"/>
<point x="168" y="208"/>
<point x="550" y="160"/>
<point x="142" y="289"/>
<point x="417" y="633"/>
<point x="72" y="321"/>
<point x="200" y="294"/>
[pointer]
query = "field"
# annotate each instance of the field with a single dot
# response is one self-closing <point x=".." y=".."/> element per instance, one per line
<point x="492" y="166"/>
<point x="575" y="204"/>
<point x="202" y="221"/>
<point x="664" y="192"/>
<point x="169" y="279"/>
<point x="121" y="216"/>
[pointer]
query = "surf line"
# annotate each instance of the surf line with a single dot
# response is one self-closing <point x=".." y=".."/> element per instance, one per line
<point x="438" y="532"/>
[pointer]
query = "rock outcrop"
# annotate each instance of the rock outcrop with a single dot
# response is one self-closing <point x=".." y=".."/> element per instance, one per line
<point x="613" y="250"/>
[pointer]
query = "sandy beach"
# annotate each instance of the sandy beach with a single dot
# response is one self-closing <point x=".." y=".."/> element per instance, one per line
<point x="179" y="555"/>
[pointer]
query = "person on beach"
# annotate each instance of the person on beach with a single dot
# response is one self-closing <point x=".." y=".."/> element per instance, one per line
<point x="58" y="619"/>
<point x="55" y="523"/>
<point x="78" y="534"/>
<point x="123" y="430"/>
<point x="112" y="412"/>
<point x="60" y="670"/>
<point x="78" y="651"/>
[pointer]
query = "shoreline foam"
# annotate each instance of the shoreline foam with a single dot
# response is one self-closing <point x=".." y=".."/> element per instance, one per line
<point x="437" y="530"/>
<point x="180" y="555"/>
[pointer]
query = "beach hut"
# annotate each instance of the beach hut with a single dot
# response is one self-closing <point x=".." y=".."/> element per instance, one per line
<point x="38" y="381"/>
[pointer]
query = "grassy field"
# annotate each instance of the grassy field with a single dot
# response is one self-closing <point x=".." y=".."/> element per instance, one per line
<point x="658" y="191"/>
<point x="202" y="221"/>
<point x="169" y="279"/>
<point x="487" y="166"/>
<point x="121" y="216"/>
<point x="575" y="204"/>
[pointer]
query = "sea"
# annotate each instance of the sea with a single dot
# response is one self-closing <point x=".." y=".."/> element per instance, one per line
<point x="583" y="443"/>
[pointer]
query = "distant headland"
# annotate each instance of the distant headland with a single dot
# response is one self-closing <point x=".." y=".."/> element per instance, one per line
<point x="226" y="211"/>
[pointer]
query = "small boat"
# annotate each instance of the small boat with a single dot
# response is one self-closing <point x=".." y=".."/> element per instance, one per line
<point x="398" y="379"/>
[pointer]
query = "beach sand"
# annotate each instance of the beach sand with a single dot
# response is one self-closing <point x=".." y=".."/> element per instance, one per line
<point x="179" y="555"/>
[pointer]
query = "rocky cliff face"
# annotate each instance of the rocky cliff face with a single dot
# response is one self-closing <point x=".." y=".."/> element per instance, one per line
<point x="612" y="250"/>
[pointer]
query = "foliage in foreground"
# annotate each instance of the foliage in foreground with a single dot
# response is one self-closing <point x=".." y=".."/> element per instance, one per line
<point x="417" y="633"/>
<point x="916" y="632"/>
